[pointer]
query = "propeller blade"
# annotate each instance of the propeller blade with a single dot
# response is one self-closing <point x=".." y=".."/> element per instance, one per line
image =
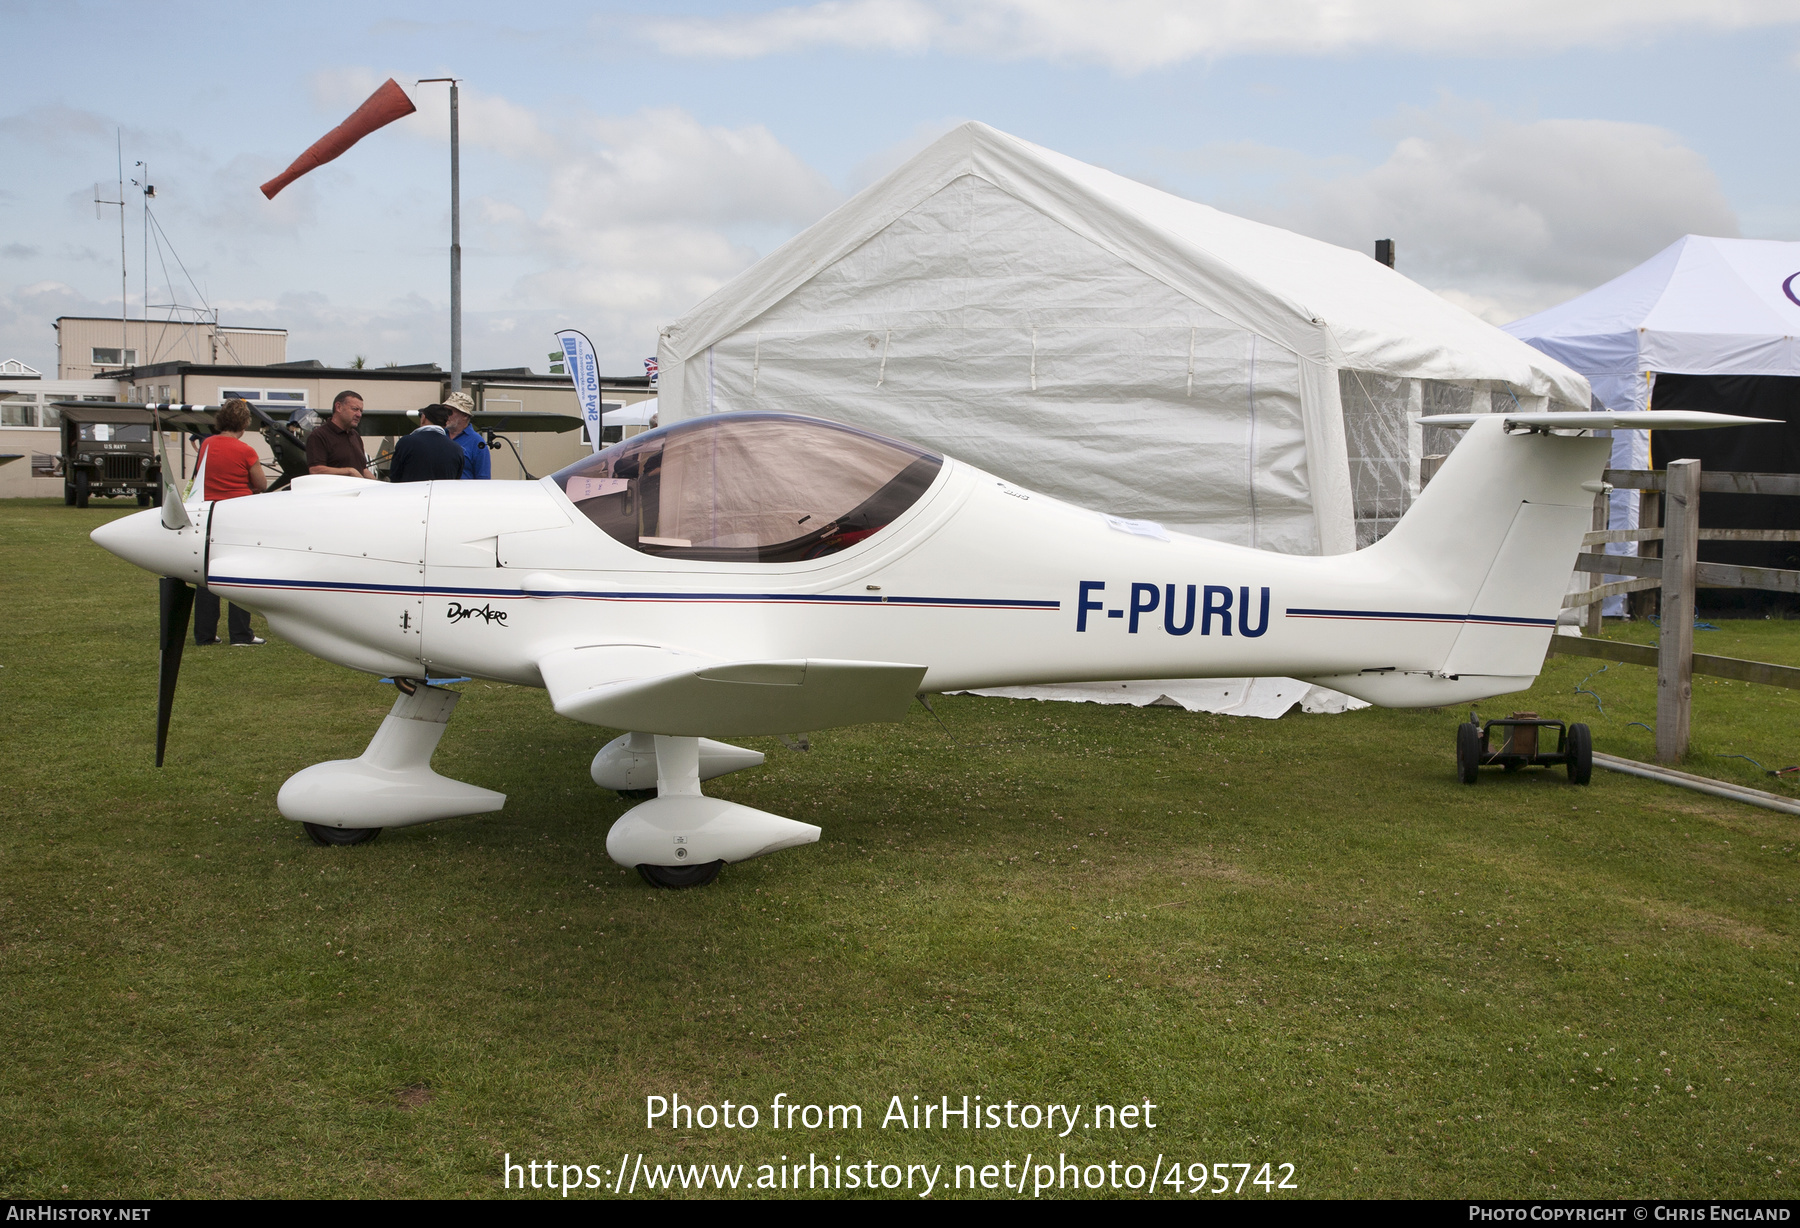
<point x="174" y="514"/>
<point x="177" y="605"/>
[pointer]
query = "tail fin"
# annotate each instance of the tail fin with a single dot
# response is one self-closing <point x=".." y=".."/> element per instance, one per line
<point x="1497" y="531"/>
<point x="1492" y="541"/>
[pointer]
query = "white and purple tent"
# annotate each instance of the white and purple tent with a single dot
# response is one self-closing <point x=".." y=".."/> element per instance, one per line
<point x="1700" y="307"/>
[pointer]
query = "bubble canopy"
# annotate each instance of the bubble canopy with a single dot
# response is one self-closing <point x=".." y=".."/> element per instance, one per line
<point x="749" y="487"/>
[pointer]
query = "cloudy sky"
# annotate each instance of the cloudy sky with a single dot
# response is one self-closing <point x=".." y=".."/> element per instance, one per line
<point x="621" y="162"/>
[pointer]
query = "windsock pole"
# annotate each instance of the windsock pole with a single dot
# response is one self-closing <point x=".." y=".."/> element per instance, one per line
<point x="455" y="240"/>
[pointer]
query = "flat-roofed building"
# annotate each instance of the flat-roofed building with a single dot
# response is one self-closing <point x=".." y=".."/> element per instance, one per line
<point x="30" y="429"/>
<point x="284" y="388"/>
<point x="90" y="347"/>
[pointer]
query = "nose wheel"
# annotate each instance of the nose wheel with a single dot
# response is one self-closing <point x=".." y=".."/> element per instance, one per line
<point x="332" y="837"/>
<point x="674" y="878"/>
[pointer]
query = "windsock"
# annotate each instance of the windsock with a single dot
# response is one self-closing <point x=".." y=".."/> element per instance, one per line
<point x="384" y="106"/>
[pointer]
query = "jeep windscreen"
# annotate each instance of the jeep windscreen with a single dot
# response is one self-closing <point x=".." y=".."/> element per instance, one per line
<point x="112" y="432"/>
<point x="749" y="487"/>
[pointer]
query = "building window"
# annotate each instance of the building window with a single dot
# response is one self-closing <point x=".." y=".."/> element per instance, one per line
<point x="110" y="358"/>
<point x="280" y="403"/>
<point x="20" y="409"/>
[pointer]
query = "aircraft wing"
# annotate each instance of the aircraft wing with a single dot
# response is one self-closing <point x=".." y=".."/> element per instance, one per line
<point x="651" y="689"/>
<point x="1605" y="420"/>
<point x="515" y="422"/>
<point x="378" y="422"/>
<point x="400" y="421"/>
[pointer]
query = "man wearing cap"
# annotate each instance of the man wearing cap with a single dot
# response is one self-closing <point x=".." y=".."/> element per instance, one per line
<point x="427" y="454"/>
<point x="476" y="460"/>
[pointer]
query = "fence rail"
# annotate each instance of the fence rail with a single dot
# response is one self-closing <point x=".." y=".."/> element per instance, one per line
<point x="1710" y="483"/>
<point x="1603" y="536"/>
<point x="1670" y="526"/>
<point x="1704" y="663"/>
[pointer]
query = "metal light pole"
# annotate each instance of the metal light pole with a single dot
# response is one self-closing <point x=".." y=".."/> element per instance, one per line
<point x="124" y="299"/>
<point x="455" y="240"/>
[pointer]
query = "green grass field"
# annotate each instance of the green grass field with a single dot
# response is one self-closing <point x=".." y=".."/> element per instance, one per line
<point x="1300" y="939"/>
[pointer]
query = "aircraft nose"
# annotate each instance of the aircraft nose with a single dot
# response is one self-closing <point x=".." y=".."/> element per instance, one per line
<point x="141" y="539"/>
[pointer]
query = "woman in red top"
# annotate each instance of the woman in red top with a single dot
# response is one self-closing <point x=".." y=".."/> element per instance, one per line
<point x="233" y="470"/>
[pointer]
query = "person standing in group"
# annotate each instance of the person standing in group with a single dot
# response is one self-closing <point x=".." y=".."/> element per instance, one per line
<point x="427" y="454"/>
<point x="334" y="445"/>
<point x="477" y="461"/>
<point x="232" y="470"/>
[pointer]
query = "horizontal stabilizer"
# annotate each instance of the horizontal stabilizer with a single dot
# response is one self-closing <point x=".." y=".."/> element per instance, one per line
<point x="660" y="690"/>
<point x="1647" y="420"/>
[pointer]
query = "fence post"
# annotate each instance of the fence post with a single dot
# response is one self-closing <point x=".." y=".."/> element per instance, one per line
<point x="1602" y="520"/>
<point x="1642" y="604"/>
<point x="1675" y="650"/>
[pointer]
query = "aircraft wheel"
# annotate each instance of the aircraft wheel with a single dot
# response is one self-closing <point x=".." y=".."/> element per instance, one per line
<point x="1581" y="754"/>
<point x="636" y="795"/>
<point x="81" y="488"/>
<point x="331" y="837"/>
<point x="676" y="877"/>
<point x="1468" y="752"/>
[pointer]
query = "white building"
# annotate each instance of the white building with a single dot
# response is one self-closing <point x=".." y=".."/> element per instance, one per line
<point x="29" y="426"/>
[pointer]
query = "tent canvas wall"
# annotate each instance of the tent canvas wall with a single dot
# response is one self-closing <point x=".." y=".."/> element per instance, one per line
<point x="1723" y="317"/>
<point x="1109" y="344"/>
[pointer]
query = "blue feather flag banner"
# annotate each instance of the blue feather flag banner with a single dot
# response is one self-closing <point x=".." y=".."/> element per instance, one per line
<point x="578" y="355"/>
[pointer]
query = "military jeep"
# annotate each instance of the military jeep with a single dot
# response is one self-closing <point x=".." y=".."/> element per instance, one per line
<point x="109" y="451"/>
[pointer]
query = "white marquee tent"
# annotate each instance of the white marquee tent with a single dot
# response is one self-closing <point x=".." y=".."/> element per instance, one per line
<point x="1107" y="343"/>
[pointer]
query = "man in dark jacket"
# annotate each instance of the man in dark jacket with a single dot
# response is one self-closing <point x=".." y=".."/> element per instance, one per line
<point x="427" y="454"/>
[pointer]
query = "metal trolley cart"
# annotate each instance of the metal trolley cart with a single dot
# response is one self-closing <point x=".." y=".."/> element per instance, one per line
<point x="1522" y="738"/>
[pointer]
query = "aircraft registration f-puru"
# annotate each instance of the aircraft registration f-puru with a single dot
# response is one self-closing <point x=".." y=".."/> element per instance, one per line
<point x="759" y="573"/>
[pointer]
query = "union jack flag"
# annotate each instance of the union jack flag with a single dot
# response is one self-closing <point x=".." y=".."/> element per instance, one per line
<point x="650" y="369"/>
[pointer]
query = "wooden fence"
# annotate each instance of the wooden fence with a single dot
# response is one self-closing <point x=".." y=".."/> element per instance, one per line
<point x="1669" y="534"/>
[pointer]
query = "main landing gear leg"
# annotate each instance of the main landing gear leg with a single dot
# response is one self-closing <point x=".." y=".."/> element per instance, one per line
<point x="684" y="838"/>
<point x="391" y="784"/>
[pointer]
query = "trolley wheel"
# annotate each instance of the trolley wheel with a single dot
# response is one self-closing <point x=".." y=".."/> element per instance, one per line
<point x="1581" y="755"/>
<point x="1468" y="752"/>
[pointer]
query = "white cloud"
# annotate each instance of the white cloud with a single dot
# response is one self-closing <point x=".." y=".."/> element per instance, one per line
<point x="646" y="215"/>
<point x="1133" y="35"/>
<point x="663" y="164"/>
<point x="617" y="224"/>
<point x="907" y="26"/>
<point x="26" y="313"/>
<point x="1510" y="218"/>
<point x="884" y="161"/>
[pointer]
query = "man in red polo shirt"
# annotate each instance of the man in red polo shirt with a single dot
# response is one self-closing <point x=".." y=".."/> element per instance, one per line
<point x="335" y="446"/>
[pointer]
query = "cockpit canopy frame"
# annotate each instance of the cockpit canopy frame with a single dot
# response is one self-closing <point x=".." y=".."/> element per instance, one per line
<point x="752" y="487"/>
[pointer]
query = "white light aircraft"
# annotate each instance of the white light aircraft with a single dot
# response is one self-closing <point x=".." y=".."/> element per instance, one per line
<point x="755" y="573"/>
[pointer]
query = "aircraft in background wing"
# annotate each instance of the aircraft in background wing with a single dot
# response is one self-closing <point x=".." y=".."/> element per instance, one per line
<point x="757" y="573"/>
